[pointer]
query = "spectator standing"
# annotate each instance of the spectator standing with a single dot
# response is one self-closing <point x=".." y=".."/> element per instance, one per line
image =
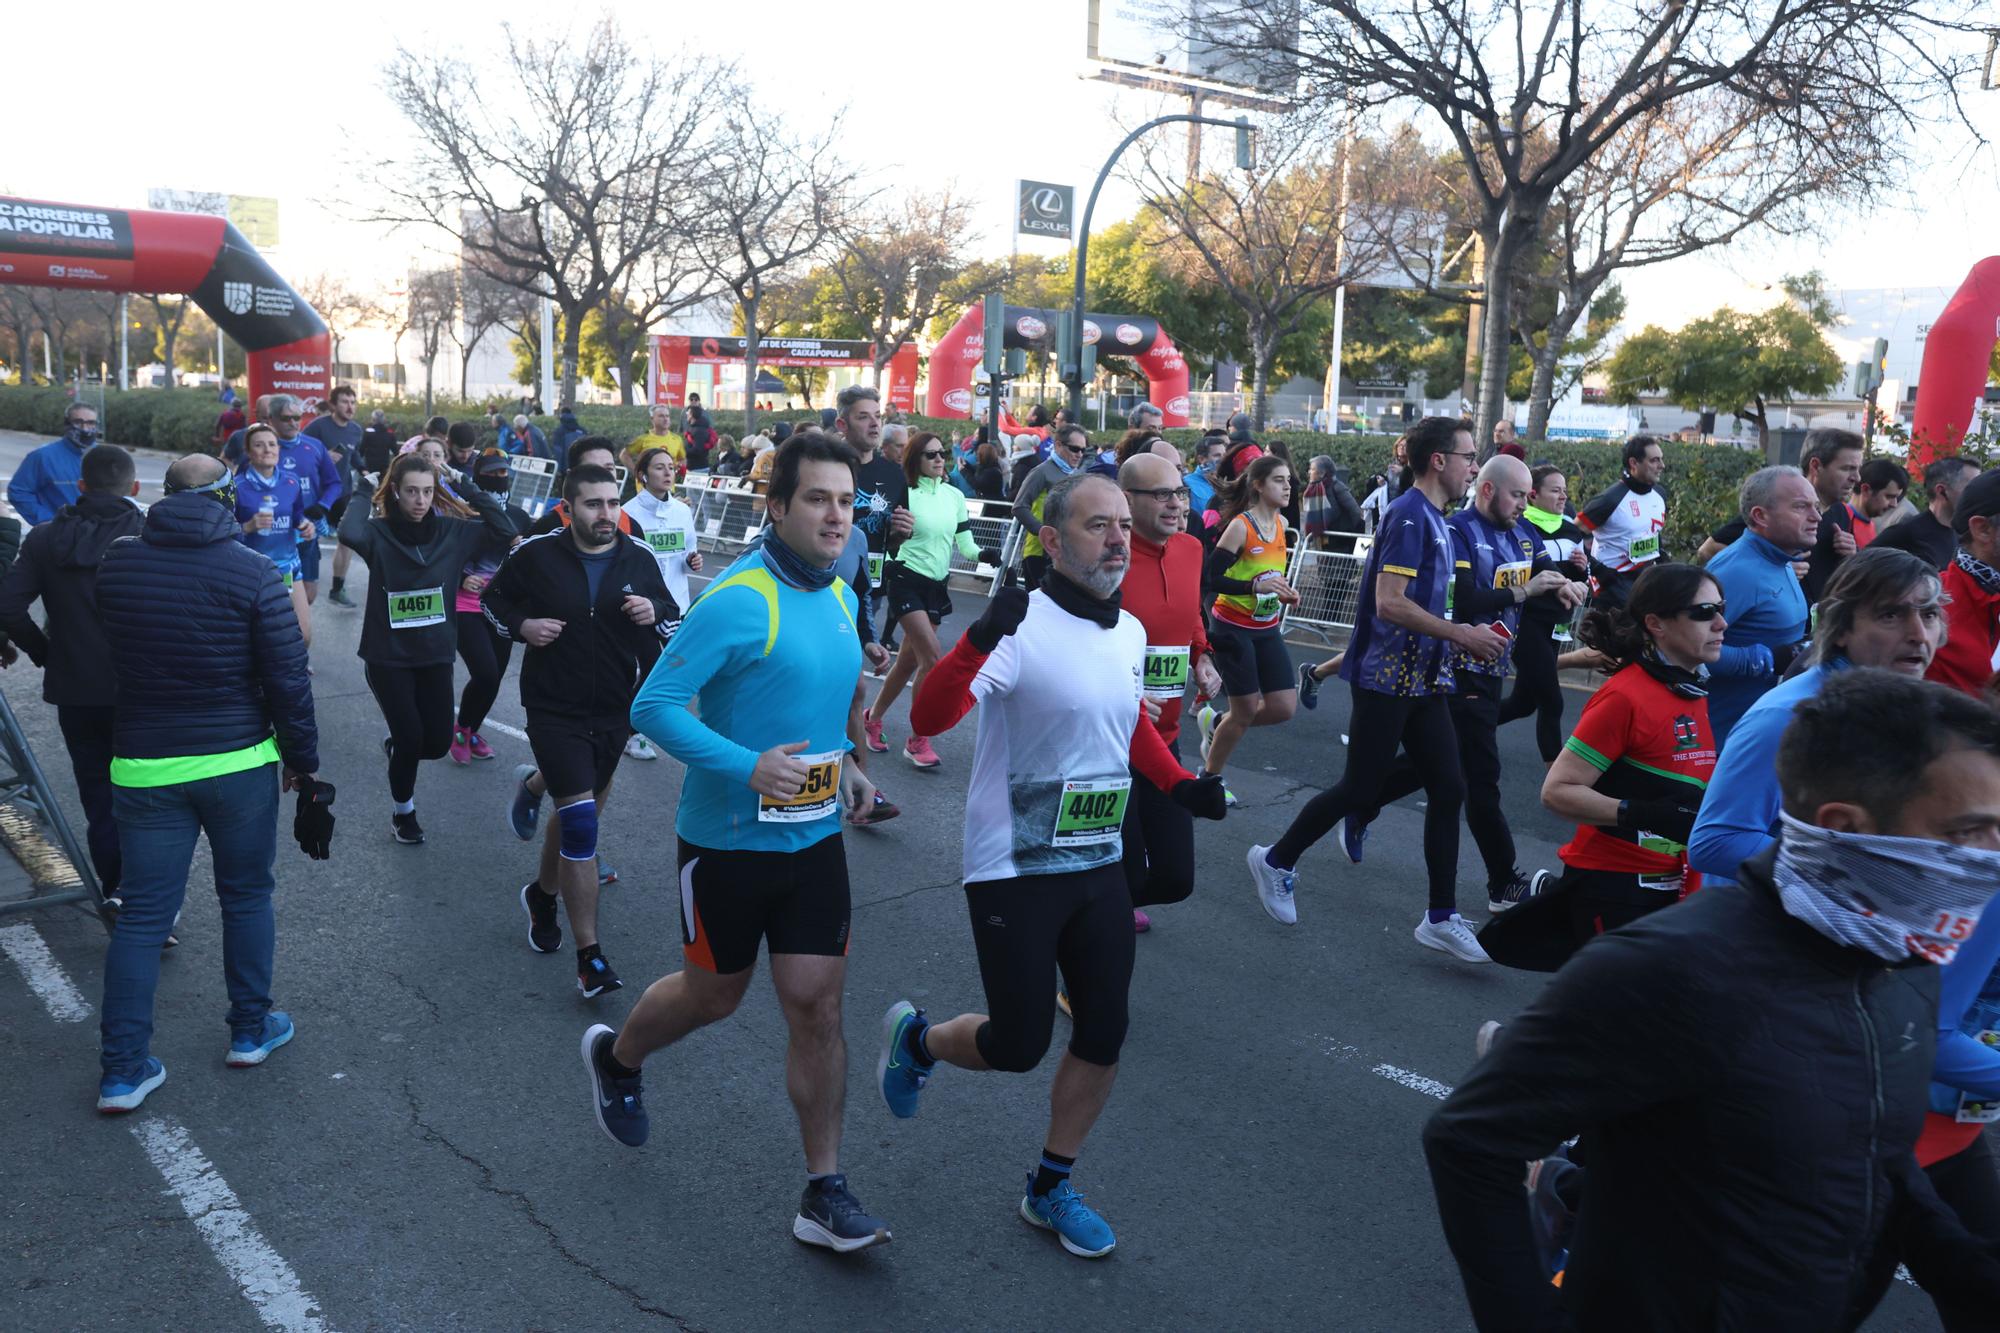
<point x="58" y="565"/>
<point x="700" y="432"/>
<point x="1929" y="533"/>
<point x="228" y="423"/>
<point x="568" y="432"/>
<point x="378" y="446"/>
<point x="526" y="439"/>
<point x="47" y="477"/>
<point x="1766" y="607"/>
<point x="340" y="435"/>
<point x="215" y="716"/>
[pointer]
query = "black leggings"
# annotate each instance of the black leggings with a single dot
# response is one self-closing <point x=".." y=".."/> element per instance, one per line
<point x="416" y="703"/>
<point x="485" y="651"/>
<point x="1474" y="711"/>
<point x="1537" y="689"/>
<point x="1159" y="844"/>
<point x="1024" y="929"/>
<point x="1377" y="725"/>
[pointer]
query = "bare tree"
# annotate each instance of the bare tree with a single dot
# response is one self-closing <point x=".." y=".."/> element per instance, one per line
<point x="484" y="304"/>
<point x="558" y="166"/>
<point x="897" y="272"/>
<point x="17" y="315"/>
<point x="1276" y="242"/>
<point x="430" y="311"/>
<point x="170" y="329"/>
<point x="775" y="200"/>
<point x="1531" y="91"/>
<point x="344" y="306"/>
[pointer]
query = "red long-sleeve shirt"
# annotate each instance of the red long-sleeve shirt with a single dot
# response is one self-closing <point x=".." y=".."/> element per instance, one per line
<point x="1163" y="589"/>
<point x="1965" y="662"/>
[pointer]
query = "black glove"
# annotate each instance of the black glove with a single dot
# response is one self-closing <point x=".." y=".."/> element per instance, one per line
<point x="1784" y="654"/>
<point x="312" y="825"/>
<point x="1003" y="616"/>
<point x="1662" y="815"/>
<point x="989" y="555"/>
<point x="1202" y="797"/>
<point x="315" y="512"/>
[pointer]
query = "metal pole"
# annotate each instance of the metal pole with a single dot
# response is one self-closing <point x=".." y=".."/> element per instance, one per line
<point x="1340" y="268"/>
<point x="124" y="344"/>
<point x="1074" y="378"/>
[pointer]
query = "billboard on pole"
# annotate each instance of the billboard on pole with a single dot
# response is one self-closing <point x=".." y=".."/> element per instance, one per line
<point x="1046" y="210"/>
<point x="1205" y="41"/>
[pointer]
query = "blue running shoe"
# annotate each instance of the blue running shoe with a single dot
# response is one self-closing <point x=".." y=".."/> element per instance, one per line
<point x="1308" y="687"/>
<point x="615" y="1102"/>
<point x="605" y="874"/>
<point x="901" y="1071"/>
<point x="125" y="1092"/>
<point x="830" y="1216"/>
<point x="527" y="807"/>
<point x="1354" y="835"/>
<point x="255" y="1047"/>
<point x="1063" y="1211"/>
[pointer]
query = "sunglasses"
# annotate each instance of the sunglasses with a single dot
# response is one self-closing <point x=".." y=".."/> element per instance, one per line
<point x="930" y="454"/>
<point x="290" y="416"/>
<point x="1702" y="611"/>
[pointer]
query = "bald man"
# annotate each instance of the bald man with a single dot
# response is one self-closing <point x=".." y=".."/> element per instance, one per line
<point x="1501" y="562"/>
<point x="1162" y="588"/>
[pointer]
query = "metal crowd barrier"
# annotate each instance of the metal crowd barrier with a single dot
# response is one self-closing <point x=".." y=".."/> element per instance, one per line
<point x="1329" y="588"/>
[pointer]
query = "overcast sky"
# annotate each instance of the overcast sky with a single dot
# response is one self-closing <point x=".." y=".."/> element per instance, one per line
<point x="977" y="94"/>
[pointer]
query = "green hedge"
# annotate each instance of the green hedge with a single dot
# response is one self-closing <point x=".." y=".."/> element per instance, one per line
<point x="1701" y="479"/>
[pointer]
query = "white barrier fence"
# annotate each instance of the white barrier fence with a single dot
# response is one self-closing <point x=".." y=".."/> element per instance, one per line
<point x="1329" y="588"/>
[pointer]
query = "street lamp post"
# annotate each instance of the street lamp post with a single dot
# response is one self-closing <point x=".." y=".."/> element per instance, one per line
<point x="1073" y="373"/>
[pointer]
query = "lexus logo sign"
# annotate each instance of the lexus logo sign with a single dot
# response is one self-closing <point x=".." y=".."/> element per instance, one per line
<point x="1045" y="210"/>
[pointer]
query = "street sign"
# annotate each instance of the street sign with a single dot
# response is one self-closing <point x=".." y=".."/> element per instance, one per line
<point x="1046" y="210"/>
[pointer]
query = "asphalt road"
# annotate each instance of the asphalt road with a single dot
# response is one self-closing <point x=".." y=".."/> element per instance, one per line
<point x="423" y="1157"/>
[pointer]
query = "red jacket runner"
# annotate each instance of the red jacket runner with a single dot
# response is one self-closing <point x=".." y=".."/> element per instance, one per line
<point x="1163" y="589"/>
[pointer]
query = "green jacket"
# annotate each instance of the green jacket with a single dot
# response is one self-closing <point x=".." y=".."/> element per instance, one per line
<point x="942" y="521"/>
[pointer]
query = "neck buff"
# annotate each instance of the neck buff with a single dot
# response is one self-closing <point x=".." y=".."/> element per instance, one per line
<point x="790" y="567"/>
<point x="412" y="534"/>
<point x="1688" y="684"/>
<point x="1896" y="898"/>
<point x="1055" y="456"/>
<point x="1639" y="487"/>
<point x="1079" y="602"/>
<point x="1544" y="520"/>
<point x="1987" y="577"/>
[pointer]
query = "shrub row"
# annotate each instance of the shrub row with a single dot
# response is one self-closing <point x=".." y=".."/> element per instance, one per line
<point x="1701" y="479"/>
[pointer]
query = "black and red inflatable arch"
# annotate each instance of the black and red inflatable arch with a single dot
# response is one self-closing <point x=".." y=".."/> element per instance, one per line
<point x="1958" y="353"/>
<point x="45" y="244"/>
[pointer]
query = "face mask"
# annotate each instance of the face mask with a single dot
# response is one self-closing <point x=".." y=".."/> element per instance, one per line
<point x="1897" y="898"/>
<point x="84" y="435"/>
<point x="222" y="490"/>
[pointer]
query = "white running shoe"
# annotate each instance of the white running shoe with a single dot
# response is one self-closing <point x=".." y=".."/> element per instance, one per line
<point x="640" y="748"/>
<point x="1274" y="887"/>
<point x="1451" y="936"/>
<point x="1206" y="720"/>
<point x="1482" y="1041"/>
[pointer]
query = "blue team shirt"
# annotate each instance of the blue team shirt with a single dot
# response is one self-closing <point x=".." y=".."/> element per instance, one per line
<point x="307" y="459"/>
<point x="1414" y="541"/>
<point x="771" y="664"/>
<point x="1495" y="558"/>
<point x="280" y="543"/>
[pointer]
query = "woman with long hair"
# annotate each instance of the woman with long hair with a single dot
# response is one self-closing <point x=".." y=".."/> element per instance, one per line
<point x="1632" y="774"/>
<point x="919" y="598"/>
<point x="271" y="508"/>
<point x="416" y="550"/>
<point x="1246" y="570"/>
<point x="484" y="649"/>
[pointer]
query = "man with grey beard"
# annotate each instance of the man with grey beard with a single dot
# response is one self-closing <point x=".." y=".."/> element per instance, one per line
<point x="1059" y="675"/>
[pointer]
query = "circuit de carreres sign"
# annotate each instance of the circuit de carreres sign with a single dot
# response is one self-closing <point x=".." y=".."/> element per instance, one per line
<point x="674" y="353"/>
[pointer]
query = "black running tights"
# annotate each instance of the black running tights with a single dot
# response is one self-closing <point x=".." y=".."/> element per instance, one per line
<point x="485" y="651"/>
<point x="1377" y="725"/>
<point x="1537" y="689"/>
<point x="416" y="703"/>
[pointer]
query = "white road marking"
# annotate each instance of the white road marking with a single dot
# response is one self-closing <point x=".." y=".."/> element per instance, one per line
<point x="267" y="1281"/>
<point x="1430" y="1087"/>
<point x="505" y="730"/>
<point x="45" y="976"/>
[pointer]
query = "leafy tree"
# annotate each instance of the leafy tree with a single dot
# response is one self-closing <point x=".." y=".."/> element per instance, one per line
<point x="1734" y="361"/>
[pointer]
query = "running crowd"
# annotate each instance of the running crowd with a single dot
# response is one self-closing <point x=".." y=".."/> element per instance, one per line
<point x="1744" y="1111"/>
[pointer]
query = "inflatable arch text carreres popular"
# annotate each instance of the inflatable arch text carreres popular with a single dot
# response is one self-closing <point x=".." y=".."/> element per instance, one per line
<point x="1139" y="337"/>
<point x="192" y="254"/>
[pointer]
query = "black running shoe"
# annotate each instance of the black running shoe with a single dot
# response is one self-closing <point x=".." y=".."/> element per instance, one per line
<point x="406" y="828"/>
<point x="544" y="931"/>
<point x="830" y="1215"/>
<point x="594" y="977"/>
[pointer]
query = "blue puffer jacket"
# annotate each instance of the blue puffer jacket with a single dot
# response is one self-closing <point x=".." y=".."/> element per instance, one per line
<point x="203" y="640"/>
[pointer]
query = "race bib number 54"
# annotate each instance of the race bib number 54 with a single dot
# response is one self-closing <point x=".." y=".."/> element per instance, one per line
<point x="815" y="800"/>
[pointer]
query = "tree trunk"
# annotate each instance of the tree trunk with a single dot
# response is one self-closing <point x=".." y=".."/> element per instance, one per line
<point x="168" y="337"/>
<point x="1762" y="416"/>
<point x="1541" y="392"/>
<point x="1497" y="326"/>
<point x="429" y="362"/>
<point x="1263" y="352"/>
<point x="751" y="337"/>
<point x="572" y="342"/>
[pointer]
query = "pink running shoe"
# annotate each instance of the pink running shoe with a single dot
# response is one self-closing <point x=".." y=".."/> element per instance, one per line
<point x="918" y="751"/>
<point x="1141" y="923"/>
<point x="477" y="744"/>
<point x="461" y="753"/>
<point x="874" y="730"/>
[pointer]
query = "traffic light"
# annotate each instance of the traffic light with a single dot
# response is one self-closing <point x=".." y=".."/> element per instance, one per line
<point x="1066" y="360"/>
<point x="1017" y="362"/>
<point x="1244" y="158"/>
<point x="1868" y="375"/>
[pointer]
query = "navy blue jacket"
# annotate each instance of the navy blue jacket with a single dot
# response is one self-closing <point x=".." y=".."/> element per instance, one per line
<point x="58" y="564"/>
<point x="203" y="641"/>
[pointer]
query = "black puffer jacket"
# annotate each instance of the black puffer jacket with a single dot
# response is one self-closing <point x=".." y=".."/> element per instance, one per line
<point x="1749" y="1093"/>
<point x="203" y="641"/>
<point x="420" y="567"/>
<point x="58" y="564"/>
<point x="592" y="669"/>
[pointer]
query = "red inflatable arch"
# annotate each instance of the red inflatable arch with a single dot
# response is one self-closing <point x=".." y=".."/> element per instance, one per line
<point x="1957" y="354"/>
<point x="192" y="254"/>
<point x="1137" y="336"/>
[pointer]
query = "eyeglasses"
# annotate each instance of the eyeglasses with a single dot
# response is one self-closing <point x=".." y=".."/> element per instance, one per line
<point x="929" y="454"/>
<point x="1454" y="453"/>
<point x="1163" y="495"/>
<point x="1702" y="611"/>
<point x="289" y="416"/>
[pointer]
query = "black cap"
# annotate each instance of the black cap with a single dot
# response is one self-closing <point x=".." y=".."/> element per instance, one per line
<point x="492" y="463"/>
<point x="1981" y="497"/>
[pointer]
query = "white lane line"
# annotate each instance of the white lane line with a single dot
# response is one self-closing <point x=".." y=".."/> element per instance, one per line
<point x="505" y="730"/>
<point x="267" y="1281"/>
<point x="24" y="944"/>
<point x="1430" y="1087"/>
